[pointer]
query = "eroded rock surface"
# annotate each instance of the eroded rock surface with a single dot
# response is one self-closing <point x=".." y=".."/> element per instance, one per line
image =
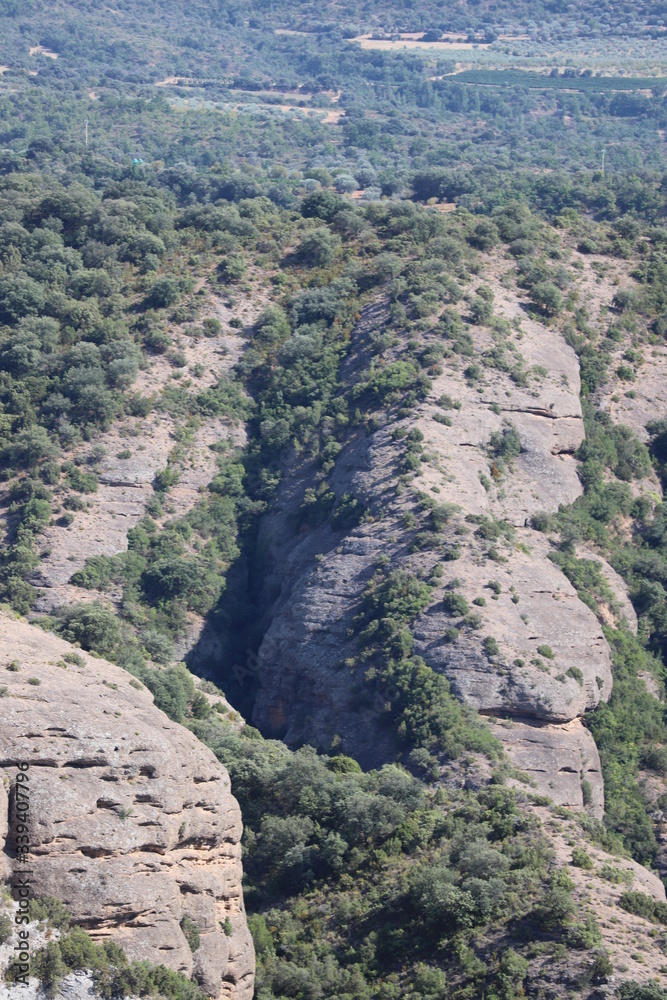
<point x="562" y="761"/>
<point x="128" y="457"/>
<point x="546" y="413"/>
<point x="536" y="608"/>
<point x="551" y="663"/>
<point x="132" y="822"/>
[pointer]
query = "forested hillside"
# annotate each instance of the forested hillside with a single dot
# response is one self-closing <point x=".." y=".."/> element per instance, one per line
<point x="333" y="412"/>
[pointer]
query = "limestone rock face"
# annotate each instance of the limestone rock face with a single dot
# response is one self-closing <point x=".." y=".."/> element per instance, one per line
<point x="127" y="457"/>
<point x="132" y="822"/>
<point x="541" y="611"/>
<point x="558" y="759"/>
<point x="551" y="662"/>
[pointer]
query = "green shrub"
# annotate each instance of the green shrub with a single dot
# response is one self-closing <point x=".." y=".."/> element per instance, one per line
<point x="82" y="482"/>
<point x="582" y="859"/>
<point x="557" y="906"/>
<point x="617" y="876"/>
<point x="165" y="479"/>
<point x="602" y="968"/>
<point x="200" y="707"/>
<point x="232" y="268"/>
<point x="576" y="674"/>
<point x="6" y="928"/>
<point x="318" y="248"/>
<point x="398" y="597"/>
<point x="512" y="973"/>
<point x="75" y="659"/>
<point x="547" y="297"/>
<point x="113" y="975"/>
<point x="484" y="235"/>
<point x="49" y="968"/>
<point x="505" y="443"/>
<point x="586" y="792"/>
<point x="158" y="645"/>
<point x="455" y="604"/>
<point x="644" y="906"/>
<point x="164" y="292"/>
<point x="51" y="911"/>
<point x="92" y="626"/>
<point x="584" y="935"/>
<point x="642" y="991"/>
<point x="172" y="689"/>
<point x="190" y="932"/>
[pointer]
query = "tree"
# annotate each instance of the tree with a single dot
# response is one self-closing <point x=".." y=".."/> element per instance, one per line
<point x="172" y="689"/>
<point x="346" y="183"/>
<point x="321" y="205"/>
<point x="232" y="268"/>
<point x="158" y="645"/>
<point x="547" y="298"/>
<point x="190" y="932"/>
<point x="485" y="235"/>
<point x="505" y="443"/>
<point x="29" y="446"/>
<point x="164" y="292"/>
<point x="318" y="248"/>
<point x="92" y="626"/>
<point x="513" y="970"/>
<point x="49" y="967"/>
<point x="19" y="296"/>
<point x="481" y="310"/>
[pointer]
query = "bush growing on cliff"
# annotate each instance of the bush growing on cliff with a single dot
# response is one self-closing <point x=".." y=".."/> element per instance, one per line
<point x="642" y="991"/>
<point x="643" y="905"/>
<point x="92" y="626"/>
<point x="51" y="911"/>
<point x="113" y="975"/>
<point x="172" y="689"/>
<point x="505" y="443"/>
<point x="190" y="932"/>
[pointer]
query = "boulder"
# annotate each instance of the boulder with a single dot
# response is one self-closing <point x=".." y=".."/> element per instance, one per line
<point x="132" y="821"/>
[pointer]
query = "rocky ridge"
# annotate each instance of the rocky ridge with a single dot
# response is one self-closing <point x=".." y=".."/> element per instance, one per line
<point x="127" y="457"/>
<point x="551" y="663"/>
<point x="132" y="821"/>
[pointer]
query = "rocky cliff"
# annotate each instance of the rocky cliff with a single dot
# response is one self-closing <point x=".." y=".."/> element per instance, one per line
<point x="132" y="822"/>
<point x="548" y="661"/>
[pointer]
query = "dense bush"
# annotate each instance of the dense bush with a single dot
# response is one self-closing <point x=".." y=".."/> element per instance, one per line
<point x="113" y="974"/>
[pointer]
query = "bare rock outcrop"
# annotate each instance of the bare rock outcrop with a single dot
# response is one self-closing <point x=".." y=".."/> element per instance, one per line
<point x="132" y="821"/>
<point x="553" y="661"/>
<point x="561" y="761"/>
<point x="550" y="663"/>
<point x="128" y="456"/>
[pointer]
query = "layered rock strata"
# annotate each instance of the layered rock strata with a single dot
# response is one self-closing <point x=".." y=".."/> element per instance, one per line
<point x="551" y="664"/>
<point x="132" y="821"/>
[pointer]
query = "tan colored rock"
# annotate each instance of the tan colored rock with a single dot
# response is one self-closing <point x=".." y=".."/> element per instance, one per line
<point x="125" y="484"/>
<point x="546" y="413"/>
<point x="537" y="607"/>
<point x="306" y="689"/>
<point x="132" y="822"/>
<point x="556" y="759"/>
<point x="100" y="530"/>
